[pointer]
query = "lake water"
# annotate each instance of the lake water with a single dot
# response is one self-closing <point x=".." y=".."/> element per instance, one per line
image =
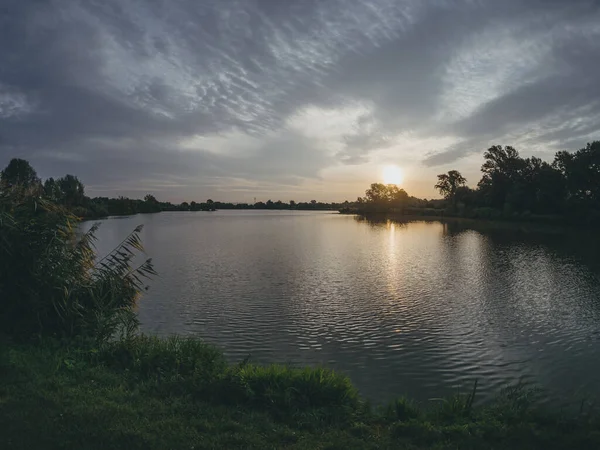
<point x="418" y="308"/>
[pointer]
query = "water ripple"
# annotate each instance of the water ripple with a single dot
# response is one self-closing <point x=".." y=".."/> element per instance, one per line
<point x="416" y="308"/>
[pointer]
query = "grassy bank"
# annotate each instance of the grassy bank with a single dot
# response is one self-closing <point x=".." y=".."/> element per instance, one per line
<point x="168" y="394"/>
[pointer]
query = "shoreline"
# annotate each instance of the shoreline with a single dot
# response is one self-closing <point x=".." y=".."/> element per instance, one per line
<point x="515" y="223"/>
<point x="148" y="392"/>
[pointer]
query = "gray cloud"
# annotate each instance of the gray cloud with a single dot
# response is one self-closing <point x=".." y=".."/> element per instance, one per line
<point x="187" y="96"/>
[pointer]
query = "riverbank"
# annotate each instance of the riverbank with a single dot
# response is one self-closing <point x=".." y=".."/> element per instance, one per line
<point x="485" y="217"/>
<point x="150" y="393"/>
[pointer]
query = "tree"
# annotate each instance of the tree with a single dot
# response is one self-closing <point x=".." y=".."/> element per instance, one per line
<point x="541" y="187"/>
<point x="466" y="196"/>
<point x="72" y="190"/>
<point x="396" y="197"/>
<point x="449" y="183"/>
<point x="376" y="194"/>
<point x="52" y="190"/>
<point x="150" y="205"/>
<point x="19" y="172"/>
<point x="501" y="175"/>
<point x="380" y="197"/>
<point x="581" y="171"/>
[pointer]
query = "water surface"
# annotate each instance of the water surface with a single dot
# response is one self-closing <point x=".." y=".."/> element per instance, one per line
<point x="416" y="308"/>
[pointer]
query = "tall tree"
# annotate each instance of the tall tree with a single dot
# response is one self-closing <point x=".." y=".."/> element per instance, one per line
<point x="396" y="197"/>
<point x="19" y="172"/>
<point x="501" y="172"/>
<point x="541" y="187"/>
<point x="150" y="205"/>
<point x="581" y="171"/>
<point x="72" y="190"/>
<point x="52" y="190"/>
<point x="381" y="197"/>
<point x="377" y="194"/>
<point x="449" y="183"/>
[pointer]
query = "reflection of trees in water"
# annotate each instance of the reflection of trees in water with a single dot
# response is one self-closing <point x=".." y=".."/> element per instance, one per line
<point x="386" y="221"/>
<point x="381" y="221"/>
<point x="581" y="245"/>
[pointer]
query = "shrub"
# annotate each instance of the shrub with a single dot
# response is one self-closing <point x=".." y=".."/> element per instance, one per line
<point x="50" y="281"/>
<point x="288" y="388"/>
<point x="402" y="409"/>
<point x="175" y="357"/>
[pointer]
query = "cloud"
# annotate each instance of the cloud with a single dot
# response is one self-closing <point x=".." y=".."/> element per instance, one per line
<point x="190" y="96"/>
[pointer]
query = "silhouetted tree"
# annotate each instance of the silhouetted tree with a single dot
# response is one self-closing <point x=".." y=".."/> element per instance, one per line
<point x="449" y="183"/>
<point x="397" y="197"/>
<point x="466" y="196"/>
<point x="150" y="204"/>
<point x="52" y="190"/>
<point x="540" y="188"/>
<point x="380" y="197"/>
<point x="581" y="172"/>
<point x="72" y="191"/>
<point x="376" y="194"/>
<point x="19" y="172"/>
<point x="501" y="171"/>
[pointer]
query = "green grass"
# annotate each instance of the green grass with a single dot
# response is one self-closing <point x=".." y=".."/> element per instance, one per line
<point x="149" y="393"/>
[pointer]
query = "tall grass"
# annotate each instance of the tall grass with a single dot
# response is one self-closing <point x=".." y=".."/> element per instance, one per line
<point x="50" y="281"/>
<point x="187" y="366"/>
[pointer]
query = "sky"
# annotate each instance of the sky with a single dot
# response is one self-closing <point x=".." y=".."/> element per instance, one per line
<point x="290" y="99"/>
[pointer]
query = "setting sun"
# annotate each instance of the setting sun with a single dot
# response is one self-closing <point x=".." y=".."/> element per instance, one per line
<point x="392" y="175"/>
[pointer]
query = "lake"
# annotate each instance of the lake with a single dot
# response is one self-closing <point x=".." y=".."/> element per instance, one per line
<point x="421" y="308"/>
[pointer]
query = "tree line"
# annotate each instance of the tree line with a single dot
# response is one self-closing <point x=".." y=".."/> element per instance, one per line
<point x="69" y="191"/>
<point x="511" y="187"/>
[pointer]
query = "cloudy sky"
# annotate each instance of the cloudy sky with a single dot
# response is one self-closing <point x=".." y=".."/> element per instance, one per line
<point x="290" y="99"/>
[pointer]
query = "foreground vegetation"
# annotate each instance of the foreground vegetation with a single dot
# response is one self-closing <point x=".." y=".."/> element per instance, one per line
<point x="75" y="372"/>
<point x="149" y="393"/>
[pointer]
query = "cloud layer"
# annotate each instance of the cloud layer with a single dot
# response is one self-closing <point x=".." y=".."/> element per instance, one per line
<point x="239" y="98"/>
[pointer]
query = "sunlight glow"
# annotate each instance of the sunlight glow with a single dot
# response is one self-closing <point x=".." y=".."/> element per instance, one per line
<point x="392" y="175"/>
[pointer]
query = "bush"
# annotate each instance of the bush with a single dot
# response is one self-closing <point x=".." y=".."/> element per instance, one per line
<point x="402" y="409"/>
<point x="286" y="387"/>
<point x="50" y="281"/>
<point x="173" y="358"/>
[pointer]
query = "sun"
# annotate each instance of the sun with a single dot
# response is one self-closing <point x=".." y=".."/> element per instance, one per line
<point x="392" y="175"/>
